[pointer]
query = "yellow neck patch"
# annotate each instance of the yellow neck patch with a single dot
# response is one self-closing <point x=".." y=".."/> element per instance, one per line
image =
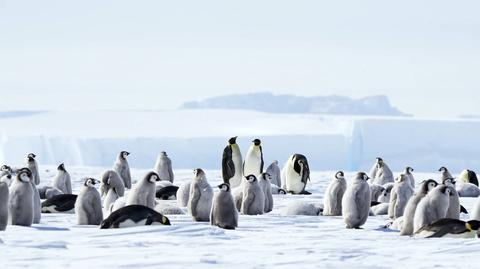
<point x="468" y="226"/>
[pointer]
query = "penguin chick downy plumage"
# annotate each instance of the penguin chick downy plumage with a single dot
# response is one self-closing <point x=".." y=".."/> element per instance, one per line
<point x="111" y="179"/>
<point x="21" y="194"/>
<point x="444" y="173"/>
<point x="432" y="207"/>
<point x="401" y="192"/>
<point x="200" y="197"/>
<point x="383" y="174"/>
<point x="253" y="201"/>
<point x="224" y="213"/>
<point x="62" y="180"/>
<point x="3" y="205"/>
<point x="264" y="182"/>
<point x="296" y="174"/>
<point x="183" y="194"/>
<point x="31" y="164"/>
<point x="122" y="167"/>
<point x="274" y="171"/>
<point x="232" y="170"/>
<point x="411" y="207"/>
<point x="450" y="228"/>
<point x="453" y="211"/>
<point x="356" y="202"/>
<point x="88" y="206"/>
<point x="409" y="173"/>
<point x="386" y="193"/>
<point x="163" y="167"/>
<point x="332" y="200"/>
<point x="376" y="191"/>
<point x="253" y="164"/>
<point x="143" y="193"/>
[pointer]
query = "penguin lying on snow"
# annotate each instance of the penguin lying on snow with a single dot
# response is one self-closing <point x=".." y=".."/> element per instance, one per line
<point x="134" y="215"/>
<point x="60" y="203"/>
<point x="167" y="193"/>
<point x="452" y="228"/>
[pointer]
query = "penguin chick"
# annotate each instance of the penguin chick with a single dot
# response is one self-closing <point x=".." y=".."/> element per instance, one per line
<point x="444" y="173"/>
<point x="110" y="198"/>
<point x="143" y="193"/>
<point x="224" y="213"/>
<point x="377" y="191"/>
<point x="253" y="201"/>
<point x="163" y="167"/>
<point x="432" y="207"/>
<point x="4" y="170"/>
<point x="450" y="228"/>
<point x="411" y="207"/>
<point x="21" y="194"/>
<point x="295" y="174"/>
<point x="379" y="209"/>
<point x="253" y="164"/>
<point x="122" y="167"/>
<point x="386" y="193"/>
<point x="453" y="211"/>
<point x="111" y="179"/>
<point x="31" y="164"/>
<point x="183" y="194"/>
<point x="383" y="174"/>
<point x="200" y="197"/>
<point x="408" y="172"/>
<point x="356" y="202"/>
<point x="62" y="180"/>
<point x="88" y="205"/>
<point x="332" y="201"/>
<point x="401" y="192"/>
<point x="300" y="208"/>
<point x="274" y="171"/>
<point x="134" y="215"/>
<point x="3" y="205"/>
<point x="232" y="170"/>
<point x="267" y="191"/>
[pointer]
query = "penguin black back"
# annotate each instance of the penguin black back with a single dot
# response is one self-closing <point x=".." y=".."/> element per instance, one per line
<point x="62" y="202"/>
<point x="134" y="213"/>
<point x="472" y="177"/>
<point x="228" y="167"/>
<point x="166" y="192"/>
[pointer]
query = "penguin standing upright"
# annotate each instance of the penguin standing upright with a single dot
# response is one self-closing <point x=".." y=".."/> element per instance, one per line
<point x="383" y="174"/>
<point x="31" y="164"/>
<point x="200" y="197"/>
<point x="20" y="204"/>
<point x="163" y="167"/>
<point x="224" y="213"/>
<point x="3" y="205"/>
<point x="143" y="193"/>
<point x="401" y="192"/>
<point x="295" y="174"/>
<point x="253" y="164"/>
<point x="253" y="200"/>
<point x="408" y="172"/>
<point x="332" y="200"/>
<point x="88" y="205"/>
<point x="377" y="191"/>
<point x="453" y="211"/>
<point x="183" y="194"/>
<point x="62" y="180"/>
<point x="274" y="171"/>
<point x="122" y="167"/>
<point x="444" y="173"/>
<point x="232" y="170"/>
<point x="111" y="179"/>
<point x="356" y="202"/>
<point x="264" y="182"/>
<point x="432" y="208"/>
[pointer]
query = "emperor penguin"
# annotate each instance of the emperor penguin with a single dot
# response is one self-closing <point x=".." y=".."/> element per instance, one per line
<point x="386" y="193"/>
<point x="264" y="182"/>
<point x="432" y="207"/>
<point x="200" y="197"/>
<point x="232" y="170"/>
<point x="166" y="193"/>
<point x="408" y="172"/>
<point x="224" y="213"/>
<point x="143" y="193"/>
<point x="253" y="164"/>
<point x="21" y="194"/>
<point x="62" y="180"/>
<point x="411" y="207"/>
<point x="469" y="176"/>
<point x="444" y="173"/>
<point x="111" y="179"/>
<point x="183" y="193"/>
<point x="3" y="205"/>
<point x="88" y="205"/>
<point x="401" y="193"/>
<point x="301" y="208"/>
<point x="383" y="174"/>
<point x="5" y="169"/>
<point x="37" y="203"/>
<point x="356" y="202"/>
<point x="332" y="201"/>
<point x="134" y="215"/>
<point x="63" y="203"/>
<point x="453" y="211"/>
<point x="274" y="171"/>
<point x="110" y="198"/>
<point x="163" y="167"/>
<point x="47" y="192"/>
<point x="253" y="200"/>
<point x="467" y="184"/>
<point x="122" y="167"/>
<point x="373" y="170"/>
<point x="31" y="164"/>
<point x="7" y="178"/>
<point x="377" y="191"/>
<point x="476" y="210"/>
<point x="450" y="228"/>
<point x="295" y="174"/>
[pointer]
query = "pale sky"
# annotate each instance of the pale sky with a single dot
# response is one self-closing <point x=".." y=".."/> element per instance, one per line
<point x="425" y="55"/>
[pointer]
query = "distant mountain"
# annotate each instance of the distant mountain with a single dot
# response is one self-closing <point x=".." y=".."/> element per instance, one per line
<point x="334" y="105"/>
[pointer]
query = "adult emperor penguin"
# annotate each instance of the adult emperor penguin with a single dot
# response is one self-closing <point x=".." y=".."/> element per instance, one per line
<point x="88" y="206"/>
<point x="143" y="193"/>
<point x="31" y="164"/>
<point x="183" y="193"/>
<point x="3" y="205"/>
<point x="295" y="174"/>
<point x="63" y="203"/>
<point x="432" y="207"/>
<point x="450" y="228"/>
<point x="134" y="215"/>
<point x="453" y="211"/>
<point x="444" y="173"/>
<point x="47" y="192"/>
<point x="21" y="194"/>
<point x="123" y="169"/>
<point x="411" y="207"/>
<point x="408" y="172"/>
<point x="383" y="174"/>
<point x="253" y="200"/>
<point x="232" y="170"/>
<point x="332" y="201"/>
<point x="163" y="167"/>
<point x="62" y="180"/>
<point x="224" y="213"/>
<point x="253" y="164"/>
<point x="475" y="214"/>
<point x="166" y="193"/>
<point x="111" y="179"/>
<point x="468" y="176"/>
<point x="401" y="192"/>
<point x="200" y="197"/>
<point x="264" y="182"/>
<point x="467" y="184"/>
<point x="356" y="202"/>
<point x="275" y="173"/>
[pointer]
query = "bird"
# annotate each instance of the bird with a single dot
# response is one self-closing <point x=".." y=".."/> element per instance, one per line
<point x="432" y="207"/>
<point x="62" y="180"/>
<point x="167" y="192"/>
<point x="383" y="173"/>
<point x="444" y="173"/>
<point x="21" y="195"/>
<point x="253" y="200"/>
<point x="253" y="164"/>
<point x="453" y="211"/>
<point x="134" y="215"/>
<point x="376" y="191"/>
<point x="275" y="173"/>
<point x="143" y="192"/>
<point x="332" y="200"/>
<point x="200" y="197"/>
<point x="183" y="194"/>
<point x="296" y="174"/>
<point x="122" y="167"/>
<point x="31" y="164"/>
<point x="401" y="192"/>
<point x="232" y="170"/>
<point x="111" y="179"/>
<point x="408" y="172"/>
<point x="163" y="167"/>
<point x="264" y="182"/>
<point x="88" y="205"/>
<point x="62" y="203"/>
<point x="224" y="213"/>
<point x="3" y="205"/>
<point x="450" y="228"/>
<point x="356" y="202"/>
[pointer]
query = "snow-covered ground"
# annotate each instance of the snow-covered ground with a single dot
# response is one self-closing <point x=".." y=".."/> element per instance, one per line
<point x="266" y="241"/>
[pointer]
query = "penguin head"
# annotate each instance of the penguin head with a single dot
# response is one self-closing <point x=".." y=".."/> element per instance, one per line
<point x="6" y="168"/>
<point x="163" y="153"/>
<point x="124" y="154"/>
<point x="90" y="182"/>
<point x="251" y="178"/>
<point x="24" y="174"/>
<point x="409" y="170"/>
<point x="224" y="187"/>
<point x="379" y="162"/>
<point x="428" y="185"/>
<point x="31" y="157"/>
<point x="472" y="225"/>
<point x="449" y="182"/>
<point x="232" y="140"/>
<point x="257" y="142"/>
<point x="165" y="220"/>
<point x="443" y="169"/>
<point x="446" y="190"/>
<point x="199" y="173"/>
<point x="282" y="191"/>
<point x="266" y="176"/>
<point x="275" y="162"/>
<point x="152" y="177"/>
<point x="61" y="167"/>
<point x="401" y="178"/>
<point x="362" y="176"/>
<point x="340" y="175"/>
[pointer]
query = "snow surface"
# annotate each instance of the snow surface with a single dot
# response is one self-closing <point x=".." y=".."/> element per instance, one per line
<point x="266" y="241"/>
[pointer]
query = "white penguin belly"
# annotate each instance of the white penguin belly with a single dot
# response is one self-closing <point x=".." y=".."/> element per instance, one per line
<point x="294" y="181"/>
<point x="252" y="165"/>
<point x="130" y="223"/>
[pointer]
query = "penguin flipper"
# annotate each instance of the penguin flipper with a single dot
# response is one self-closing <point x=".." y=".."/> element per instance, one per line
<point x="304" y="192"/>
<point x="463" y="209"/>
<point x="228" y="167"/>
